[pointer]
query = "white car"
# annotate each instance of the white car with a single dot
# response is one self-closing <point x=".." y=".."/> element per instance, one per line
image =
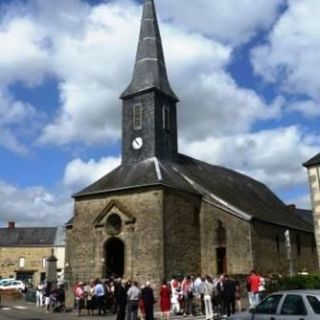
<point x="4" y="281"/>
<point x="285" y="305"/>
<point x="13" y="285"/>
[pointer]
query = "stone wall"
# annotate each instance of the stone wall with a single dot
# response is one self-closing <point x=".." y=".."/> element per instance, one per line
<point x="269" y="249"/>
<point x="9" y="260"/>
<point x="237" y="240"/>
<point x="143" y="239"/>
<point x="314" y="185"/>
<point x="182" y="233"/>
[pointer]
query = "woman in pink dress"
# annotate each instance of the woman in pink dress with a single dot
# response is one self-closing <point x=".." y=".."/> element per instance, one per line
<point x="165" y="304"/>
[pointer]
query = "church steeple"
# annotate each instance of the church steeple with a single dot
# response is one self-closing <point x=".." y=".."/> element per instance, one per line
<point x="150" y="69"/>
<point x="149" y="121"/>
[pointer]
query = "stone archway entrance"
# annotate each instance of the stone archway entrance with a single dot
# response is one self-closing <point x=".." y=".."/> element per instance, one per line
<point x="114" y="257"/>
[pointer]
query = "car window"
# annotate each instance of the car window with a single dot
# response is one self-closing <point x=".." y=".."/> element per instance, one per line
<point x="269" y="305"/>
<point x="314" y="303"/>
<point x="293" y="305"/>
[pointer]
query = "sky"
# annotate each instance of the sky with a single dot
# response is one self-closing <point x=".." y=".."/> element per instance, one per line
<point x="246" y="72"/>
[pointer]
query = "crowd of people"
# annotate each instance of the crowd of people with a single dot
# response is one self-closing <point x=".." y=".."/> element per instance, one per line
<point x="51" y="296"/>
<point x="182" y="295"/>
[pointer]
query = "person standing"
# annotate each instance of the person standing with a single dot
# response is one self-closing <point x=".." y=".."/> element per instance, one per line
<point x="133" y="295"/>
<point x="47" y="296"/>
<point x="148" y="301"/>
<point x="39" y="295"/>
<point x="80" y="293"/>
<point x="187" y="289"/>
<point x="253" y="286"/>
<point x="121" y="298"/>
<point x="99" y="293"/>
<point x="238" y="297"/>
<point x="229" y="286"/>
<point x="175" y="293"/>
<point x="208" y="292"/>
<point x="165" y="304"/>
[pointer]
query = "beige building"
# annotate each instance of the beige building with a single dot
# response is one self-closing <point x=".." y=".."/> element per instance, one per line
<point x="161" y="212"/>
<point x="24" y="251"/>
<point x="313" y="166"/>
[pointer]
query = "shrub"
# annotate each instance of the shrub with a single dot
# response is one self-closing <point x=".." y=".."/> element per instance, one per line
<point x="295" y="282"/>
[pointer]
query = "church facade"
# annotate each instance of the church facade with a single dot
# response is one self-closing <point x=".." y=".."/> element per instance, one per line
<point x="161" y="212"/>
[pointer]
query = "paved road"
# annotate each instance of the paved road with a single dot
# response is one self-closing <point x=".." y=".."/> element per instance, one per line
<point x="21" y="310"/>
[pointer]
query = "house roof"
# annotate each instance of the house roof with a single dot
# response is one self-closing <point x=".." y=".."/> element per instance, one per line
<point x="32" y="236"/>
<point x="313" y="161"/>
<point x="242" y="195"/>
<point x="305" y="214"/>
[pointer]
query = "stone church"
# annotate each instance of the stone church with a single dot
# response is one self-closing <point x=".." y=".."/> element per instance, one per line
<point x="162" y="212"/>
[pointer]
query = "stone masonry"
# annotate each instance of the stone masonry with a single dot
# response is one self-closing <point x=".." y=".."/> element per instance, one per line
<point x="314" y="185"/>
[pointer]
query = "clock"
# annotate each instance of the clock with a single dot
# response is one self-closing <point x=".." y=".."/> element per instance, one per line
<point x="137" y="143"/>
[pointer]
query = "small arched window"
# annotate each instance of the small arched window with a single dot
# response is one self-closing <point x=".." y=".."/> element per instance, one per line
<point x="221" y="237"/>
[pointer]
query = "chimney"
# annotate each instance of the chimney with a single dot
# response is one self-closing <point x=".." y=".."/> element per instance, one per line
<point x="292" y="207"/>
<point x="11" y="225"/>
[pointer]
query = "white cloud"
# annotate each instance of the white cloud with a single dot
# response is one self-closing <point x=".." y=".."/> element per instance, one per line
<point x="79" y="174"/>
<point x="214" y="105"/>
<point x="291" y="55"/>
<point x="91" y="52"/>
<point x="32" y="205"/>
<point x="308" y="108"/>
<point x="22" y="56"/>
<point x="230" y="22"/>
<point x="274" y="157"/>
<point x="13" y="117"/>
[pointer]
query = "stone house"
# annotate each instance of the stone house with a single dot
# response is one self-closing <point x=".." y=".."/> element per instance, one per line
<point x="24" y="251"/>
<point x="162" y="212"/>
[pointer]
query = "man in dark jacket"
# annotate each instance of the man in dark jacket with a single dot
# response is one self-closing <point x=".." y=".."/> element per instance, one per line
<point x="148" y="301"/>
<point x="121" y="297"/>
<point x="229" y="289"/>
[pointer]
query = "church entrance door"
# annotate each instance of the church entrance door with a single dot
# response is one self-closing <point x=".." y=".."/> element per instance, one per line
<point x="221" y="256"/>
<point x="114" y="257"/>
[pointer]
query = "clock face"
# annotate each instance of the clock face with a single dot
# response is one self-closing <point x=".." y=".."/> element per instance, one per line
<point x="137" y="143"/>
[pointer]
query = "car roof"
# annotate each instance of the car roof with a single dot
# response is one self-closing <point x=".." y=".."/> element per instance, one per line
<point x="300" y="291"/>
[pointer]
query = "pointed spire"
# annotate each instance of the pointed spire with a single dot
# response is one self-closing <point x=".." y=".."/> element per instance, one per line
<point x="150" y="69"/>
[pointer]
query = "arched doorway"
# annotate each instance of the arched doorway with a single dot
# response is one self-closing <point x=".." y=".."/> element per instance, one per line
<point x="114" y="257"/>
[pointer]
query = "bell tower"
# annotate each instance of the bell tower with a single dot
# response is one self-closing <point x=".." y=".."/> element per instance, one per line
<point x="149" y="118"/>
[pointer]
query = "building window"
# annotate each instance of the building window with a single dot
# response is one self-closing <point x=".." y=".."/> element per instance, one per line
<point x="278" y="243"/>
<point x="113" y="224"/>
<point x="221" y="236"/>
<point x="44" y="262"/>
<point x="298" y="242"/>
<point x="166" y="118"/>
<point x="22" y="262"/>
<point x="137" y="116"/>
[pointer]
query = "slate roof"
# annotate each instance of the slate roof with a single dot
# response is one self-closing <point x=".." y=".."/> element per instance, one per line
<point x="305" y="214"/>
<point x="242" y="195"/>
<point x="150" y="68"/>
<point x="31" y="236"/>
<point x="313" y="161"/>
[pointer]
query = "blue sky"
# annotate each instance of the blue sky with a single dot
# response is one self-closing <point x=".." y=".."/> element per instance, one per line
<point x="245" y="72"/>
